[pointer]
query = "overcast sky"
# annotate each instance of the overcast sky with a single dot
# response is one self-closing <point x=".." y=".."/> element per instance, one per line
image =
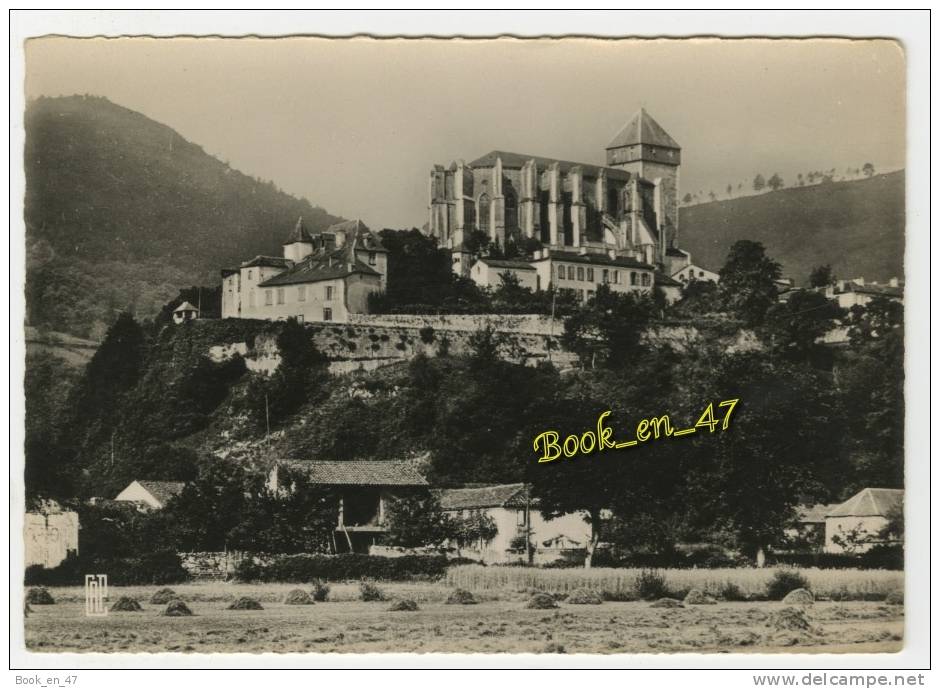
<point x="355" y="125"/>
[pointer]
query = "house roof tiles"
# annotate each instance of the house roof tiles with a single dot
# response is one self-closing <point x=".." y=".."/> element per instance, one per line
<point x="361" y="473"/>
<point x="870" y="502"/>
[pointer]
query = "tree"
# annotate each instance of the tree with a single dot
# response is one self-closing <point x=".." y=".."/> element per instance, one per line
<point x="759" y="182"/>
<point x="687" y="199"/>
<point x="868" y="169"/>
<point x="792" y="328"/>
<point x="609" y="329"/>
<point x="417" y="520"/>
<point x="821" y="276"/>
<point x="775" y="182"/>
<point x="746" y="284"/>
<point x="299" y="518"/>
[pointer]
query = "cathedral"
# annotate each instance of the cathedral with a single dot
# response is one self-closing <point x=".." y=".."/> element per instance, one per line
<point x="626" y="211"/>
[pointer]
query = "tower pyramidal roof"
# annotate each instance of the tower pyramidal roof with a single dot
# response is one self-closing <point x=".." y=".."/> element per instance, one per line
<point x="643" y="129"/>
<point x="299" y="234"/>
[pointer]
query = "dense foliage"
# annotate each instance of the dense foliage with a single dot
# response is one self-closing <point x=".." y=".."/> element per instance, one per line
<point x="121" y="211"/>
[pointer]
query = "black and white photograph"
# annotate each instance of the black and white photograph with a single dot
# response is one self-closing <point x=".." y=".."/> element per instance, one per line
<point x="485" y="345"/>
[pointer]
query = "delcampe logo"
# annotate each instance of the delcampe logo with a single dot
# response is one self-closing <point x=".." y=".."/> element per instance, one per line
<point x="96" y="593"/>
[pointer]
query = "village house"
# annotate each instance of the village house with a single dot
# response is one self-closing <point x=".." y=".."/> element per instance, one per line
<point x="515" y="514"/>
<point x="151" y="494"/>
<point x="320" y="277"/>
<point x="858" y="292"/>
<point x="861" y="518"/>
<point x="365" y="489"/>
<point x="185" y="312"/>
<point x="692" y="272"/>
<point x="488" y="272"/>
<point x="50" y="534"/>
<point x="810" y="525"/>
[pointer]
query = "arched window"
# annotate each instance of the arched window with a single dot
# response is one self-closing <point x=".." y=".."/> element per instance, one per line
<point x="512" y="213"/>
<point x="483" y="213"/>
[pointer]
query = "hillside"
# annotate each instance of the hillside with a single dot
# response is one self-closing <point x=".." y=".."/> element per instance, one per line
<point x="121" y="212"/>
<point x="857" y="227"/>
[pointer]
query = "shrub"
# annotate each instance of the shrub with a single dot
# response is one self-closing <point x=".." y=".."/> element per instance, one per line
<point x="320" y="591"/>
<point x="618" y="595"/>
<point x="349" y="566"/>
<point x="298" y="597"/>
<point x="177" y="608"/>
<point x="161" y="566"/>
<point x="163" y="596"/>
<point x="406" y="605"/>
<point x="248" y="571"/>
<point x="245" y="603"/>
<point x="370" y="592"/>
<point x="554" y="647"/>
<point x="427" y="334"/>
<point x="895" y="597"/>
<point x="584" y="597"/>
<point x="39" y="596"/>
<point x="784" y="581"/>
<point x="651" y="585"/>
<point x="731" y="592"/>
<point x="461" y="597"/>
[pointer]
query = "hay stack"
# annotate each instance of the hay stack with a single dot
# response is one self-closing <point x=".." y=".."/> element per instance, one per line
<point x="584" y="596"/>
<point x="163" y="596"/>
<point x="39" y="596"/>
<point x="126" y="604"/>
<point x="698" y="597"/>
<point x="461" y="597"/>
<point x="541" y="601"/>
<point x="298" y="597"/>
<point x="177" y="608"/>
<point x="245" y="603"/>
<point x="790" y="620"/>
<point x="404" y="605"/>
<point x="799" y="597"/>
<point x="667" y="603"/>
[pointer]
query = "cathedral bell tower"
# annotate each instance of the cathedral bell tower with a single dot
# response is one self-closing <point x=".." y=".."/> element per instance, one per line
<point x="644" y="148"/>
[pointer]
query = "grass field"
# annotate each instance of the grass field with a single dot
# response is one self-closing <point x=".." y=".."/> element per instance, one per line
<point x="500" y="623"/>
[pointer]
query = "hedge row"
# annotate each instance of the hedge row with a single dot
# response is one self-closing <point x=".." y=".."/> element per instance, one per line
<point x="158" y="567"/>
<point x="306" y="568"/>
<point x="879" y="557"/>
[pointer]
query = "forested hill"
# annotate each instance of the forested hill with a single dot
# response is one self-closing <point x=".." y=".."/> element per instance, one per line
<point x="122" y="211"/>
<point x="856" y="226"/>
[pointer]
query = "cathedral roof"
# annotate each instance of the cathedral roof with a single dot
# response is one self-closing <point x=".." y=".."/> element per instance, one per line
<point x="643" y="129"/>
<point x="517" y="160"/>
<point x="299" y="234"/>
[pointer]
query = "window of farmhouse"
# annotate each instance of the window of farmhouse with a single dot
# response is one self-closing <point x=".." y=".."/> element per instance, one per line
<point x="605" y="276"/>
<point x="561" y="272"/>
<point x="590" y="274"/>
<point x="327" y="314"/>
<point x="280" y="295"/>
<point x="371" y="258"/>
<point x="329" y="293"/>
<point x="302" y="293"/>
<point x="520" y="517"/>
<point x="571" y="272"/>
<point x="268" y="297"/>
<point x="580" y="273"/>
<point x="633" y="279"/>
<point x="616" y="277"/>
<point x="646" y="279"/>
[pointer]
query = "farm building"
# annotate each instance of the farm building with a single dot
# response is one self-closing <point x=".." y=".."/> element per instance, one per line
<point x="863" y="516"/>
<point x="152" y="494"/>
<point x="515" y="513"/>
<point x="810" y="525"/>
<point x="365" y="490"/>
